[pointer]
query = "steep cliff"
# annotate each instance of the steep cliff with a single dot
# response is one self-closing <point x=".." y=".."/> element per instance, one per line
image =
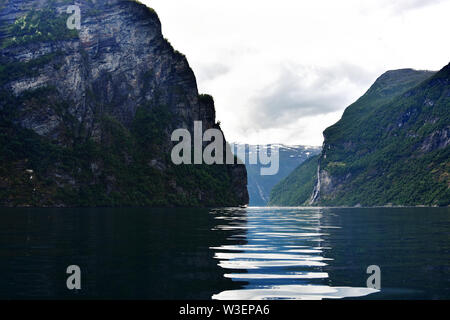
<point x="86" y="115"/>
<point x="391" y="147"/>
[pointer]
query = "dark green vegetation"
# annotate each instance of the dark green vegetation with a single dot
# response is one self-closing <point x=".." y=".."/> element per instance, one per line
<point x="296" y="189"/>
<point x="119" y="171"/>
<point x="391" y="147"/>
<point x="38" y="26"/>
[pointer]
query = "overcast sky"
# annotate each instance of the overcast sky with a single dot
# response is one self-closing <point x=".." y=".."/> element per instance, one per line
<point x="283" y="71"/>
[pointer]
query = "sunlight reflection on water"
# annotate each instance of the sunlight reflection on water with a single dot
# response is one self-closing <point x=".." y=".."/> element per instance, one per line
<point x="278" y="254"/>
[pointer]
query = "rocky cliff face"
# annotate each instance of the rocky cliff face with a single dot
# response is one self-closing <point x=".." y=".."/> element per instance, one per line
<point x="86" y="115"/>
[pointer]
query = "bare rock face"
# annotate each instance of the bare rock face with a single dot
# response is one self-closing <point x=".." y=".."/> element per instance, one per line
<point x="99" y="105"/>
<point x="439" y="139"/>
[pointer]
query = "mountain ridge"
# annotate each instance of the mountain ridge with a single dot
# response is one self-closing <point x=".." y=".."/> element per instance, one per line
<point x="389" y="148"/>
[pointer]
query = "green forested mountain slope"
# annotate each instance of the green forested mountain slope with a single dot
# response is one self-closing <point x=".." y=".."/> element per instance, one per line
<point x="296" y="189"/>
<point x="391" y="146"/>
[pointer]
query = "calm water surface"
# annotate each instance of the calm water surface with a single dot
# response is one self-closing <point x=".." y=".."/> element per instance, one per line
<point x="255" y="253"/>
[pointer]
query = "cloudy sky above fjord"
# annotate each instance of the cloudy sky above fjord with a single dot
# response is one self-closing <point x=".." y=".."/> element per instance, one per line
<point x="282" y="71"/>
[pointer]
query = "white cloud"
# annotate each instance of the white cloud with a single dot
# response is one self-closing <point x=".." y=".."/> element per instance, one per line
<point x="282" y="71"/>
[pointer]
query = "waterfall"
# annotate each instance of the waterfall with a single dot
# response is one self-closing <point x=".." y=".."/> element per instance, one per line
<point x="316" y="191"/>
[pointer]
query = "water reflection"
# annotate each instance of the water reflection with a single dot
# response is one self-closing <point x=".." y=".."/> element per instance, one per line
<point x="282" y="258"/>
<point x="148" y="253"/>
<point x="129" y="253"/>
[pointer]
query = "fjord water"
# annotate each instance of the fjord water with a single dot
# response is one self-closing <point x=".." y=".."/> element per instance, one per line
<point x="255" y="253"/>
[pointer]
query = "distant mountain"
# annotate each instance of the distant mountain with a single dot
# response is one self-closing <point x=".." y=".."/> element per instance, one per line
<point x="86" y="116"/>
<point x="259" y="187"/>
<point x="391" y="147"/>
